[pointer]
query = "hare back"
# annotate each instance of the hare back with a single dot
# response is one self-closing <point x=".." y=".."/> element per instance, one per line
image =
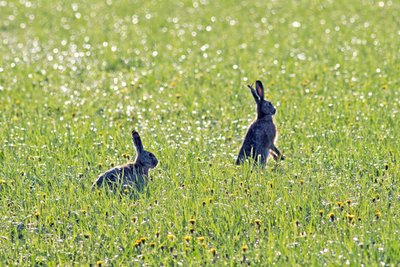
<point x="125" y="175"/>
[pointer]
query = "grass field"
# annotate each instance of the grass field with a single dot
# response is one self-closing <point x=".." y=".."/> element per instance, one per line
<point x="77" y="77"/>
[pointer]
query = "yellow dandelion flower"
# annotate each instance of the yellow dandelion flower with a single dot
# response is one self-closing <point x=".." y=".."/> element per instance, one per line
<point x="321" y="212"/>
<point x="305" y="82"/>
<point x="340" y="205"/>
<point x="257" y="222"/>
<point x="143" y="240"/>
<point x="378" y="214"/>
<point x="351" y="217"/>
<point x="152" y="244"/>
<point x="187" y="238"/>
<point x="348" y="202"/>
<point x="331" y="216"/>
<point x="137" y="243"/>
<point x="172" y="84"/>
<point x="245" y="248"/>
<point x="201" y="239"/>
<point x="213" y="251"/>
<point x="192" y="221"/>
<point x="170" y="237"/>
<point x="99" y="263"/>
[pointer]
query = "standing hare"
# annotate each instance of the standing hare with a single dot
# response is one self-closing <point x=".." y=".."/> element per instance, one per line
<point x="259" y="140"/>
<point x="131" y="174"/>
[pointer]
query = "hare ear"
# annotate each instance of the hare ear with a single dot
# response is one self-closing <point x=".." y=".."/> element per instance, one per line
<point x="137" y="142"/>
<point x="260" y="89"/>
<point x="254" y="93"/>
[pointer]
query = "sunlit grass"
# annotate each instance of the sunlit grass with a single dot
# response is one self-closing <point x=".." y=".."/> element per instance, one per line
<point x="77" y="78"/>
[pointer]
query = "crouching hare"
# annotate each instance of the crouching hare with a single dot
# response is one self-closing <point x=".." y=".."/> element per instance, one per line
<point x="130" y="175"/>
<point x="260" y="137"/>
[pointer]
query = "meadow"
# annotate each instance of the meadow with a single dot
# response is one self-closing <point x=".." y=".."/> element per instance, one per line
<point x="76" y="77"/>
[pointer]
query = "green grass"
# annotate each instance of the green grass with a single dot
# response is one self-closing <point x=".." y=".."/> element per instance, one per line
<point x="75" y="79"/>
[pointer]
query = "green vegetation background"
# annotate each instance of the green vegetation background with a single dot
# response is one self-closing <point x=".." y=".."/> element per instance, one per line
<point x="77" y="77"/>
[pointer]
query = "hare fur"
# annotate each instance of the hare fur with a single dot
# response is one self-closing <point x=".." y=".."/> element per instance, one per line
<point x="259" y="140"/>
<point x="131" y="174"/>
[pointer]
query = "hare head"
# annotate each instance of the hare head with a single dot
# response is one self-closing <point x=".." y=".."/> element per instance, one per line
<point x="144" y="159"/>
<point x="264" y="107"/>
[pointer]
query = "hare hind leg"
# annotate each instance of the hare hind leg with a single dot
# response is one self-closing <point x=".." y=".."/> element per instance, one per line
<point x="276" y="153"/>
